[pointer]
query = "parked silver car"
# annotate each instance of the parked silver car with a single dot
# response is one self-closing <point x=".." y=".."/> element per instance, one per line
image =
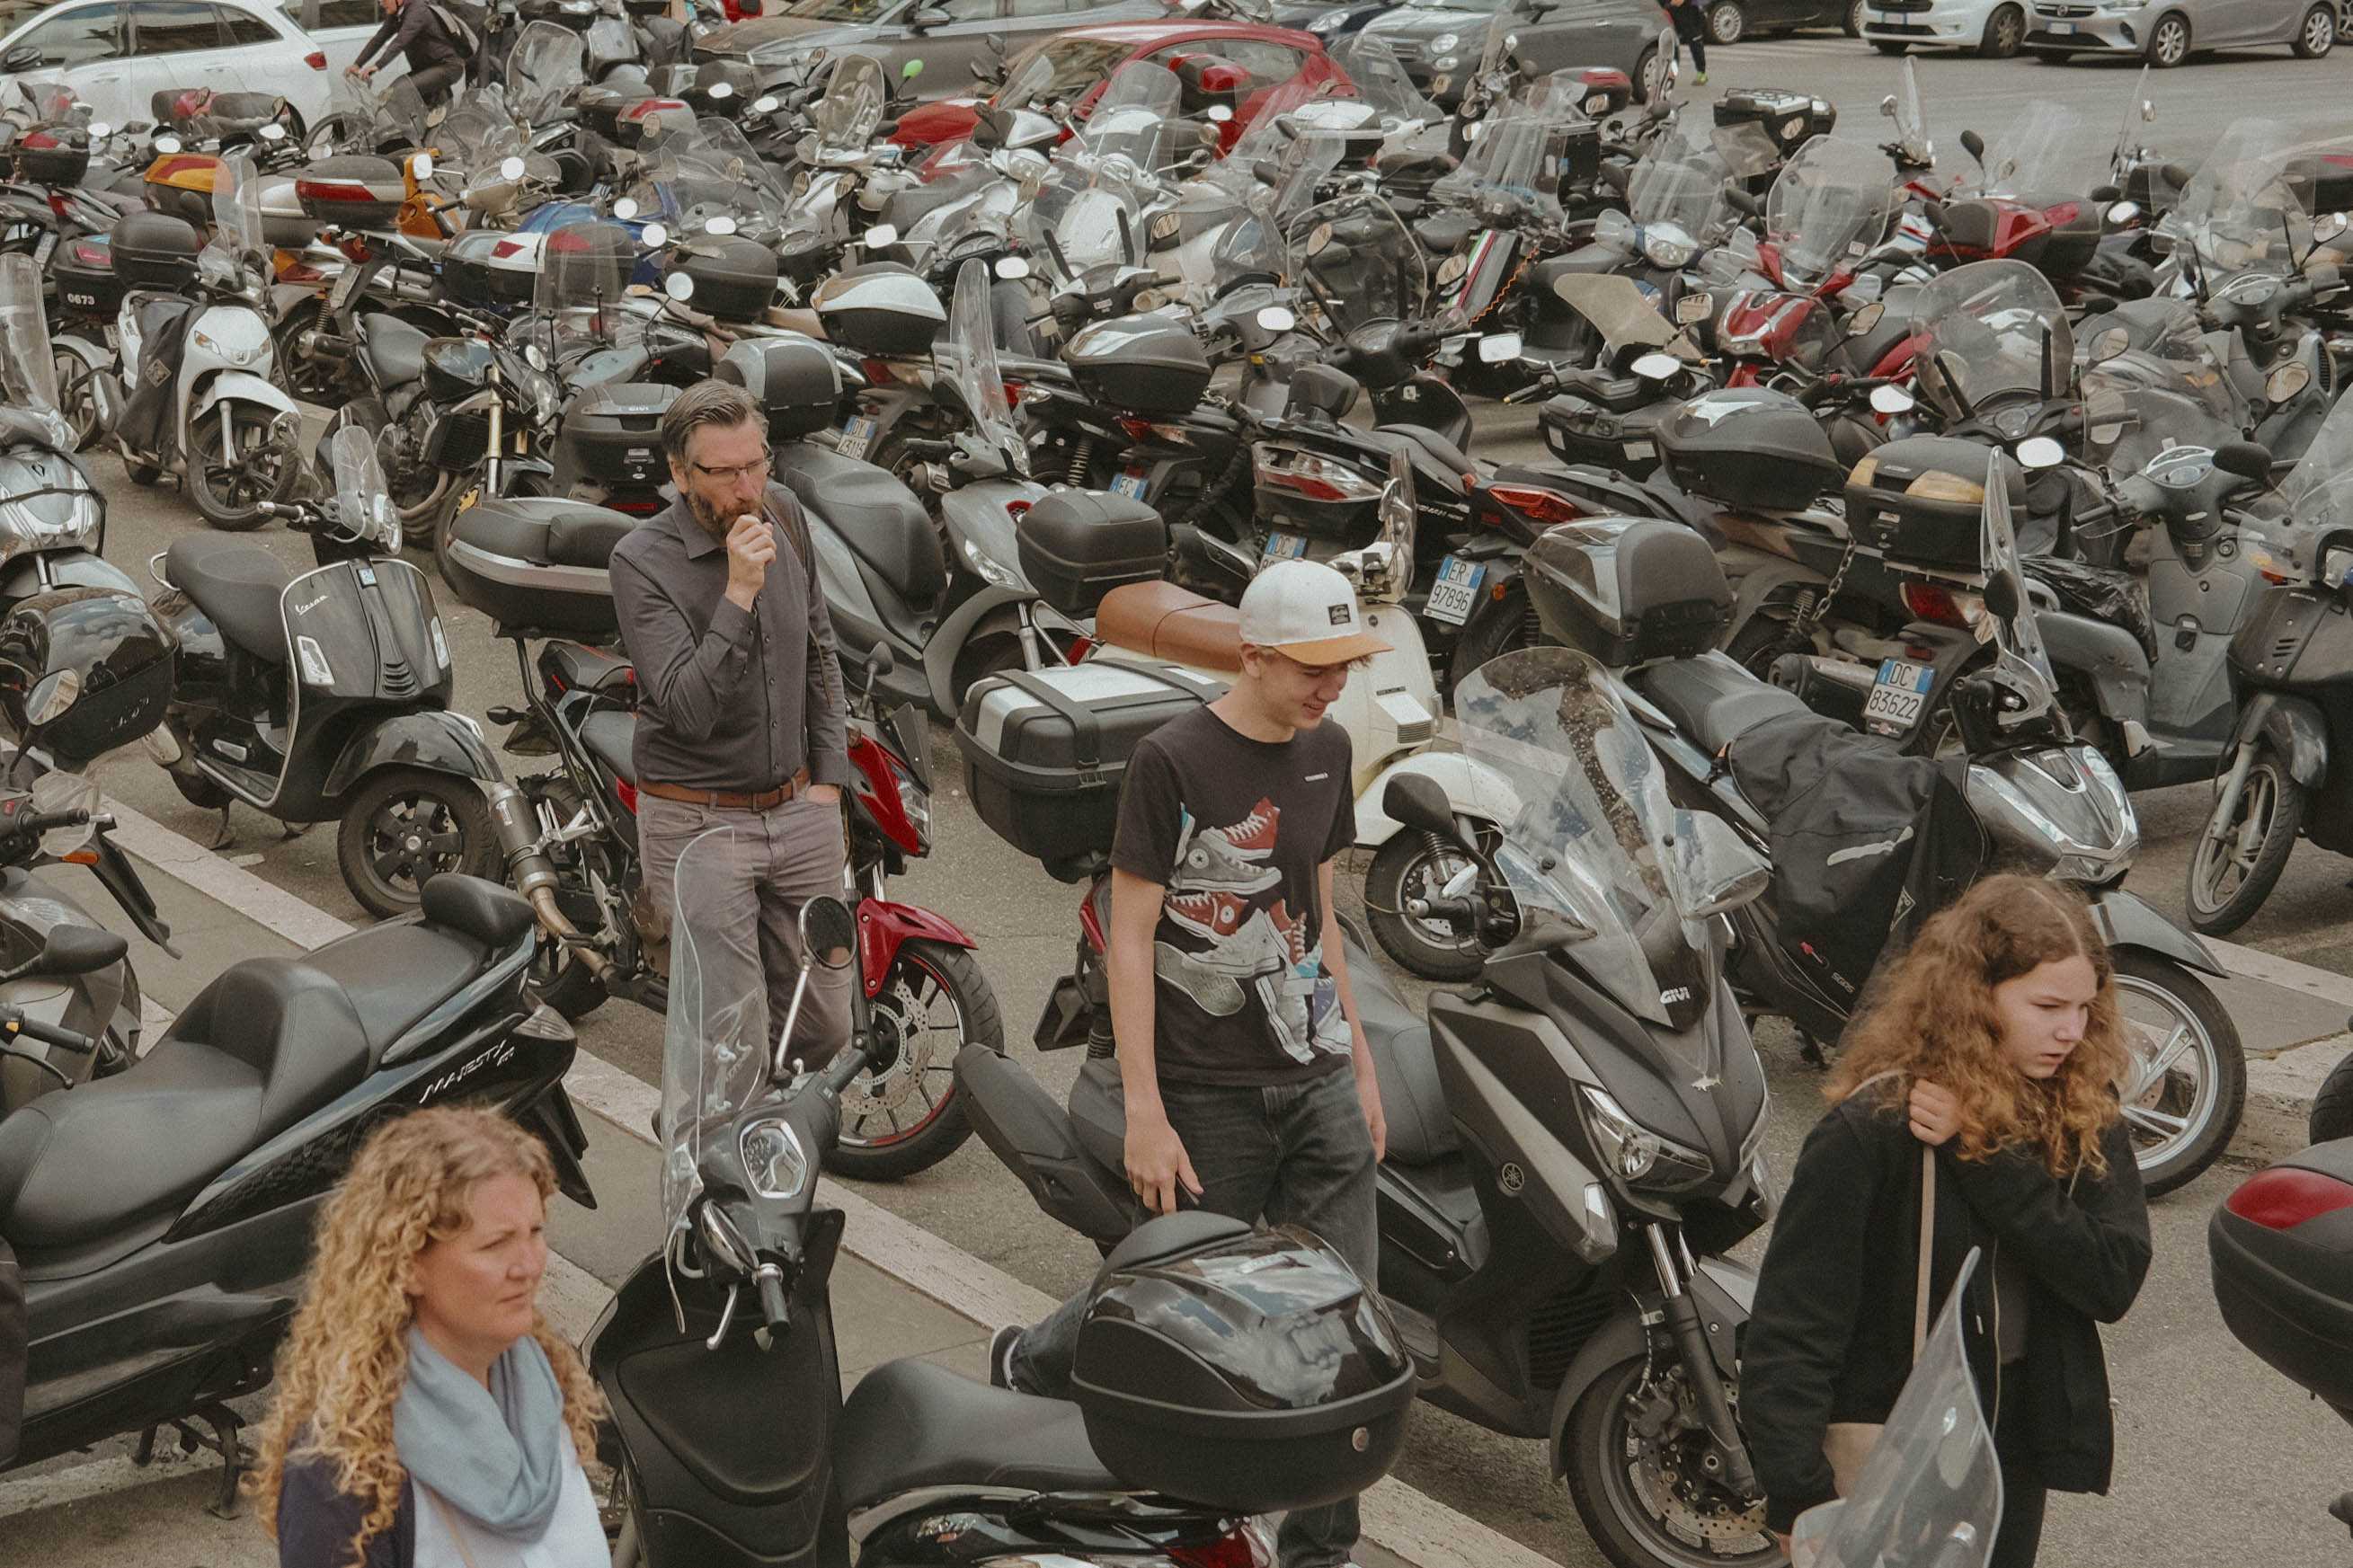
<point x="2165" y="32"/>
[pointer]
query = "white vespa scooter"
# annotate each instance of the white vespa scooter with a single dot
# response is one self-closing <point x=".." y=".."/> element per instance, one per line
<point x="1391" y="710"/>
<point x="197" y="356"/>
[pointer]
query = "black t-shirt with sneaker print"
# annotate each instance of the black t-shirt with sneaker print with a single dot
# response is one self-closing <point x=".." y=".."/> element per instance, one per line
<point x="1234" y="829"/>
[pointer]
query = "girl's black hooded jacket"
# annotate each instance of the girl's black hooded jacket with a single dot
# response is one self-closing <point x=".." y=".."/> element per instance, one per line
<point x="1830" y="1335"/>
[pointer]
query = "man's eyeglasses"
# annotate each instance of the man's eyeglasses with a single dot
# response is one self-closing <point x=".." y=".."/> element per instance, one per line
<point x="752" y="470"/>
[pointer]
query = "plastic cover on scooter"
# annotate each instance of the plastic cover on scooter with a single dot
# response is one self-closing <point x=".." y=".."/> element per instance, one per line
<point x="2028" y="157"/>
<point x="548" y="61"/>
<point x="1830" y="204"/>
<point x="1355" y="257"/>
<point x="363" y="508"/>
<point x="1987" y="332"/>
<point x="580" y="304"/>
<point x="237" y="247"/>
<point x="1597" y="854"/>
<point x="2240" y="211"/>
<point x="2319" y="495"/>
<point x="1384" y="84"/>
<point x="1931" y="1492"/>
<point x="1511" y="171"/>
<point x="852" y="108"/>
<point x="969" y="351"/>
<point x="28" y="372"/>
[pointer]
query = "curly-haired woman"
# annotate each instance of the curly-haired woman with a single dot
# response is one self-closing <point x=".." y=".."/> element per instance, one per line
<point x="427" y="1416"/>
<point x="1994" y="1041"/>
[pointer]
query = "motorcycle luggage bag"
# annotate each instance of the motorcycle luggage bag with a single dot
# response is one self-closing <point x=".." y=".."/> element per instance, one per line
<point x="735" y="277"/>
<point x="539" y="566"/>
<point x="352" y="191"/>
<point x="1920" y="501"/>
<point x="1075" y="546"/>
<point x="1045" y="751"/>
<point x="53" y="155"/>
<point x="492" y="268"/>
<point x="88" y="286"/>
<point x="614" y="432"/>
<point x="1749" y="446"/>
<point x="155" y="251"/>
<point x="1629" y="590"/>
<point x="2287" y="1294"/>
<point x="880" y="308"/>
<point x="1148" y="364"/>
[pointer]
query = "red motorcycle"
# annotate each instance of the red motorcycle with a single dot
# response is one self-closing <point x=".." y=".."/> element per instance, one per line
<point x="571" y="843"/>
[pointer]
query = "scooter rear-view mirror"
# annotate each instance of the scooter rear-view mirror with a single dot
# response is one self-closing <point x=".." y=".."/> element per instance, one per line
<point x="2244" y="458"/>
<point x="1420" y="802"/>
<point x="80" y="950"/>
<point x="2003" y="595"/>
<point x="828" y="935"/>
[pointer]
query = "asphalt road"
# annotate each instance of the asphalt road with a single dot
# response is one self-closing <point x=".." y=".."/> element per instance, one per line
<point x="2219" y="1460"/>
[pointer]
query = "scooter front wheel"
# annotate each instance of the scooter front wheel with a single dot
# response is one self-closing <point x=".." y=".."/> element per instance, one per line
<point x="1648" y="1500"/>
<point x="2185" y="1070"/>
<point x="403" y="826"/>
<point x="1414" y="865"/>
<point x="236" y="464"/>
<point x="908" y="1115"/>
<point x="2245" y="847"/>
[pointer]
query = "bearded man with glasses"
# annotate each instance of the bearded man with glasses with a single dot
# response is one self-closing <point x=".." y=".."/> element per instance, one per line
<point x="741" y="722"/>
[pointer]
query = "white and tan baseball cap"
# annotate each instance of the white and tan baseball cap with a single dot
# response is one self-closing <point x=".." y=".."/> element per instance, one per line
<point x="1306" y="611"/>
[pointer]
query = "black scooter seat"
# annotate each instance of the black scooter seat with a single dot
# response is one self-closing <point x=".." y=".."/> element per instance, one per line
<point x="237" y="584"/>
<point x="394" y="350"/>
<point x="1713" y="700"/>
<point x="910" y="1424"/>
<point x="1445" y="453"/>
<point x="610" y="735"/>
<point x="1444" y="234"/>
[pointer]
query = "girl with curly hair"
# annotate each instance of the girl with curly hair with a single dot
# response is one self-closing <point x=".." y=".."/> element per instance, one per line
<point x="1995" y="1043"/>
<point x="427" y="1416"/>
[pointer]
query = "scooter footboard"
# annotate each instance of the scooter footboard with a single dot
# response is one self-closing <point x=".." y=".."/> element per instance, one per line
<point x="1032" y="1136"/>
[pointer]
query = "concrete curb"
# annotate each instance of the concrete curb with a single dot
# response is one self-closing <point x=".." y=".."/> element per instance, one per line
<point x="2281" y="1084"/>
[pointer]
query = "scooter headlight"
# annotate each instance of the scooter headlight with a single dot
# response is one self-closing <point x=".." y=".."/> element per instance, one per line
<point x="774" y="1159"/>
<point x="1636" y="1155"/>
<point x="1666" y="246"/>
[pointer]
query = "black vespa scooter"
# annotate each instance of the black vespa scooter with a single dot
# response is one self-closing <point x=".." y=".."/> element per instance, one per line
<point x="1572" y="1144"/>
<point x="321" y="695"/>
<point x="162" y="1216"/>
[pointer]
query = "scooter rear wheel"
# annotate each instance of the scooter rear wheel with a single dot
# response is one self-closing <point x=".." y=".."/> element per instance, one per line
<point x="2332" y="1108"/>
<point x="404" y="825"/>
<point x="2230" y="878"/>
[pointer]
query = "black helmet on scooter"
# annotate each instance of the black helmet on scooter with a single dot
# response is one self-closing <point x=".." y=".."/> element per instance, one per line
<point x="1249" y="1370"/>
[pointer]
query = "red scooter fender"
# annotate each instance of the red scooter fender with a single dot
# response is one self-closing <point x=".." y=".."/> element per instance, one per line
<point x="882" y="925"/>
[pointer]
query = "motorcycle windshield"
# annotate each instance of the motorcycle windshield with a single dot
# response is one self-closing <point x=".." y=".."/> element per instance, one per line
<point x="855" y="95"/>
<point x="584" y="274"/>
<point x="2140" y="113"/>
<point x="29" y="374"/>
<point x="1514" y="167"/>
<point x="1088" y="219"/>
<point x="363" y="506"/>
<point x="1829" y="206"/>
<point x="2319" y="489"/>
<point x="1355" y="258"/>
<point x="2240" y="212"/>
<point x="969" y="355"/>
<point x="1911" y="118"/>
<point x="1369" y="61"/>
<point x="2021" y="659"/>
<point x="708" y="172"/>
<point x="549" y="60"/>
<point x="1137" y="117"/>
<point x="714" y="1058"/>
<point x="237" y="221"/>
<point x="396" y="117"/>
<point x="2028" y="157"/>
<point x="1679" y="183"/>
<point x="1930" y="1491"/>
<point x="2157" y="345"/>
<point x="1597" y="853"/>
<point x="1991" y="328"/>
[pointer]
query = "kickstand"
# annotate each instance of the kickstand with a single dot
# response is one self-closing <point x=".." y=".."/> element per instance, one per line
<point x="1811" y="1049"/>
<point x="224" y="835"/>
<point x="225" y="1425"/>
<point x="292" y="830"/>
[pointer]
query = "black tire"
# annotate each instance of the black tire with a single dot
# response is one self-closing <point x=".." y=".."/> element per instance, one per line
<point x="2168" y="41"/>
<point x="2052" y="57"/>
<point x="1852" y="24"/>
<point x="223" y="485"/>
<point x="1599" y="1448"/>
<point x="2269" y="812"/>
<point x="1727" y="23"/>
<point x="77" y="396"/>
<point x="1650" y="76"/>
<point x="2316" y="35"/>
<point x="2202" y="1086"/>
<point x="901" y="1151"/>
<point x="141" y="473"/>
<point x="1495" y="631"/>
<point x="303" y="378"/>
<point x="1767" y="635"/>
<point x="403" y="826"/>
<point x="1411" y="866"/>
<point x="2332" y="1108"/>
<point x="197" y="790"/>
<point x="1891" y="45"/>
<point x="2004" y="31"/>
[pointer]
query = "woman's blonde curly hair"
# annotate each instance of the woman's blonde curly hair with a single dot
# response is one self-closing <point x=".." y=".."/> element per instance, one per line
<point x="346" y="1354"/>
<point x="1932" y="1016"/>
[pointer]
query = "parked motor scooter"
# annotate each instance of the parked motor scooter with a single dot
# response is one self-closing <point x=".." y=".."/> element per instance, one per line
<point x="734" y="1446"/>
<point x="323" y="696"/>
<point x="1572" y="1145"/>
<point x="196" y="396"/>
<point x="162" y="1216"/>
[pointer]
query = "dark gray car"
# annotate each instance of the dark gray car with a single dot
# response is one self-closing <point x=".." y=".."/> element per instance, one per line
<point x="949" y="37"/>
<point x="1439" y="41"/>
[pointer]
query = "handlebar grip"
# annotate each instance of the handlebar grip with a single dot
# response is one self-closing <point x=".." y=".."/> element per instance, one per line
<point x="13" y="1022"/>
<point x="775" y="1313"/>
<point x="1528" y="394"/>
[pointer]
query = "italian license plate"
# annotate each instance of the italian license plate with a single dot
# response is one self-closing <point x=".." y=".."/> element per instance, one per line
<point x="1897" y="696"/>
<point x="1129" y="484"/>
<point x="2063" y="28"/>
<point x="1455" y="591"/>
<point x="346" y="285"/>
<point x="1280" y="546"/>
<point x="854" y="439"/>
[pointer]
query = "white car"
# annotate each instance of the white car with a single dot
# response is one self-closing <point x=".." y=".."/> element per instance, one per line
<point x="117" y="55"/>
<point x="1994" y="28"/>
<point x="342" y="28"/>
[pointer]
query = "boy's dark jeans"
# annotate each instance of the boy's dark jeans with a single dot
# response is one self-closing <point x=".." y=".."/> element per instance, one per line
<point x="1299" y="1155"/>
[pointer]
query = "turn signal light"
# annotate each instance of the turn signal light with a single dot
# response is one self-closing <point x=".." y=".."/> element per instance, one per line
<point x="2285" y="1198"/>
<point x="1536" y="504"/>
<point x="1932" y="601"/>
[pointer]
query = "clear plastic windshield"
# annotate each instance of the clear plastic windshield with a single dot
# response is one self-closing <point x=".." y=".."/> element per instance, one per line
<point x="237" y="223"/>
<point x="584" y="274"/>
<point x="1381" y="81"/>
<point x="396" y="116"/>
<point x="2156" y="346"/>
<point x="1679" y="183"/>
<point x="1597" y="846"/>
<point x="1258" y="213"/>
<point x="28" y="374"/>
<point x="1355" y="258"/>
<point x="2319" y="489"/>
<point x="854" y="96"/>
<point x="549" y="60"/>
<point x="969" y="352"/>
<point x="709" y="172"/>
<point x="714" y="1058"/>
<point x="1830" y="205"/>
<point x="2022" y="663"/>
<point x="2240" y="211"/>
<point x="1991" y="328"/>
<point x="1930" y="1493"/>
<point x="1136" y="117"/>
<point x="362" y="501"/>
<point x="2132" y="140"/>
<point x="2028" y="156"/>
<point x="1912" y="116"/>
<point x="1088" y="218"/>
<point x="1064" y="71"/>
<point x="1513" y="167"/>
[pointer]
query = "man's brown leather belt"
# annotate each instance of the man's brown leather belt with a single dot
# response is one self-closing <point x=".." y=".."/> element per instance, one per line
<point x="731" y="799"/>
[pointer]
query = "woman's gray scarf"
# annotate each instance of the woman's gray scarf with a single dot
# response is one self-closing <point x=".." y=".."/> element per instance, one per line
<point x="496" y="1454"/>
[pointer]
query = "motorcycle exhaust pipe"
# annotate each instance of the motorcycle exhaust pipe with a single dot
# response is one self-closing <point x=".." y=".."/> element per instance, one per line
<point x="530" y="873"/>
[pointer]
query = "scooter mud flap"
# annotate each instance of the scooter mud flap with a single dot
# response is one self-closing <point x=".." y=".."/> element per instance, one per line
<point x="15" y="1348"/>
<point x="552" y="1117"/>
<point x="1032" y="1135"/>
